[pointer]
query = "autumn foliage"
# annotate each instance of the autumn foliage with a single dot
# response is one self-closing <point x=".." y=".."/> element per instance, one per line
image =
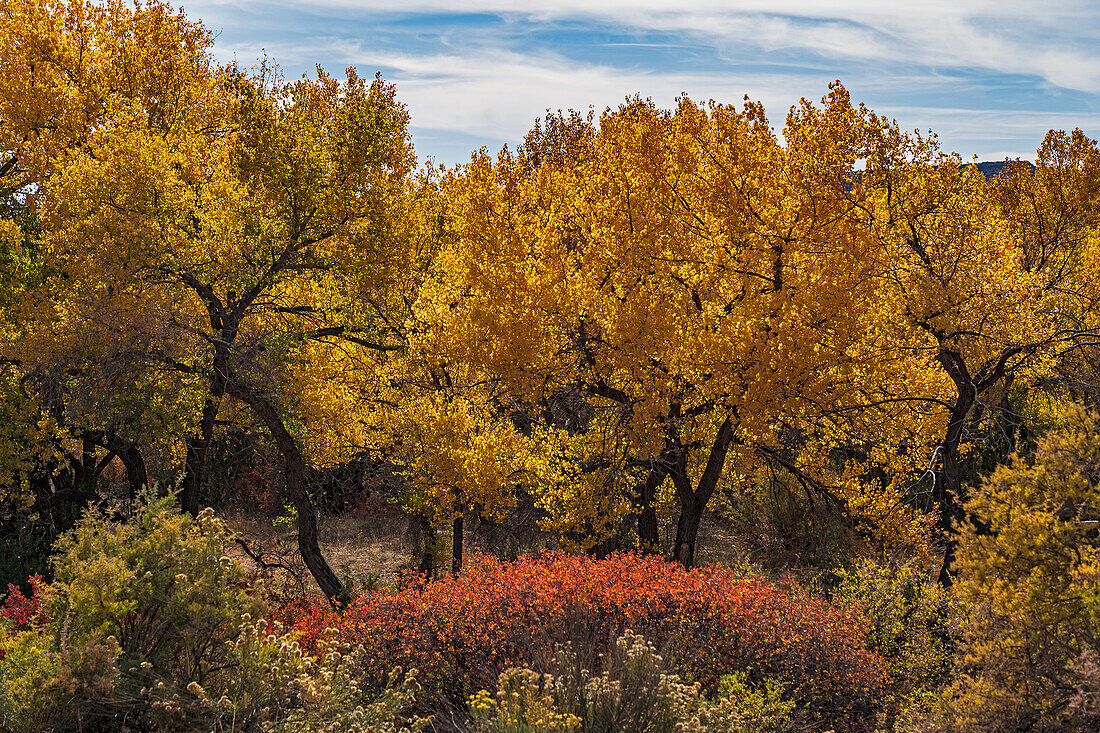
<point x="1029" y="568"/>
<point x="23" y="610"/>
<point x="461" y="632"/>
<point x="615" y="337"/>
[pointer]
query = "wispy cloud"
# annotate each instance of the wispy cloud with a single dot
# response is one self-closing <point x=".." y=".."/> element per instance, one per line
<point x="514" y="88"/>
<point x="990" y="76"/>
<point x="1053" y="40"/>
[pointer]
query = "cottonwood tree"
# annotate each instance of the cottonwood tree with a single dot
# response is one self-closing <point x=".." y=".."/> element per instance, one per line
<point x="457" y="443"/>
<point x="701" y="279"/>
<point x="990" y="283"/>
<point x="68" y="68"/>
<point x="212" y="231"/>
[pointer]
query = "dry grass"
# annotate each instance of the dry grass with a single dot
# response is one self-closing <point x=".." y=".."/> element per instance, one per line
<point x="361" y="550"/>
<point x="375" y="548"/>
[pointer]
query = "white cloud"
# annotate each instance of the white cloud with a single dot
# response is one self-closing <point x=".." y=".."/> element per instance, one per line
<point x="497" y="95"/>
<point x="491" y="87"/>
<point x="1053" y="40"/>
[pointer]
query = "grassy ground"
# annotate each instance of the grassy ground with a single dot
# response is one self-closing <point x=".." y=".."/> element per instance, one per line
<point x="375" y="548"/>
<point x="359" y="550"/>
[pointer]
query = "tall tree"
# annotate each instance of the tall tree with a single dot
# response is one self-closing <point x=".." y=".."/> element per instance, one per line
<point x="703" y="279"/>
<point x="68" y="68"/>
<point x="204" y="234"/>
<point x="988" y="282"/>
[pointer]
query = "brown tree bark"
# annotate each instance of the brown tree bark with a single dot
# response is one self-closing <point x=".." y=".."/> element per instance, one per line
<point x="948" y="494"/>
<point x="427" y="560"/>
<point x="457" y="537"/>
<point x="694" y="502"/>
<point x="137" y="477"/>
<point x="198" y="446"/>
<point x="308" y="546"/>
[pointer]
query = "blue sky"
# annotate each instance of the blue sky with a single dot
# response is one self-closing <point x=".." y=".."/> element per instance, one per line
<point x="989" y="77"/>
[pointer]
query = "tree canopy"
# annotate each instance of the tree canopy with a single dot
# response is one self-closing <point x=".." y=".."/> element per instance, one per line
<point x="645" y="303"/>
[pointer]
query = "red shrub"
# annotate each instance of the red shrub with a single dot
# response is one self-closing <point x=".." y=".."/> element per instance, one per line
<point x="461" y="632"/>
<point x="23" y="611"/>
<point x="307" y="616"/>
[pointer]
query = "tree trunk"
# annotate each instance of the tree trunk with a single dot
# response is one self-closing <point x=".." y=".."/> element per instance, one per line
<point x="87" y="474"/>
<point x="456" y="545"/>
<point x="128" y="452"/>
<point x="693" y="503"/>
<point x="948" y="493"/>
<point x="308" y="546"/>
<point x="136" y="475"/>
<point x="687" y="527"/>
<point x="604" y="547"/>
<point x="86" y="469"/>
<point x="427" y="560"/>
<point x="198" y="446"/>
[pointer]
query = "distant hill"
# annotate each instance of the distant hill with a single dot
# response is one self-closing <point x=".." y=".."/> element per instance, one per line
<point x="992" y="168"/>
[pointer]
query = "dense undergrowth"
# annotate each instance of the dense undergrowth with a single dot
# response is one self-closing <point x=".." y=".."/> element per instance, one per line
<point x="461" y="632"/>
<point x="148" y="625"/>
<point x="825" y="351"/>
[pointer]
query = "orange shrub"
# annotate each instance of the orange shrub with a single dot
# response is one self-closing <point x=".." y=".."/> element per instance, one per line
<point x="462" y="632"/>
<point x="306" y="616"/>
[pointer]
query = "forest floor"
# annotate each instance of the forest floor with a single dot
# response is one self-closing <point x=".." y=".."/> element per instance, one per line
<point x="365" y="550"/>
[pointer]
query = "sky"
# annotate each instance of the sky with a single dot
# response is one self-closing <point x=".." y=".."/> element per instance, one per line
<point x="989" y="77"/>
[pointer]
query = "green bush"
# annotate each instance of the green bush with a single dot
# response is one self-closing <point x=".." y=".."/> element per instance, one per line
<point x="152" y="628"/>
<point x="910" y="617"/>
<point x="632" y="693"/>
<point x="1030" y="576"/>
